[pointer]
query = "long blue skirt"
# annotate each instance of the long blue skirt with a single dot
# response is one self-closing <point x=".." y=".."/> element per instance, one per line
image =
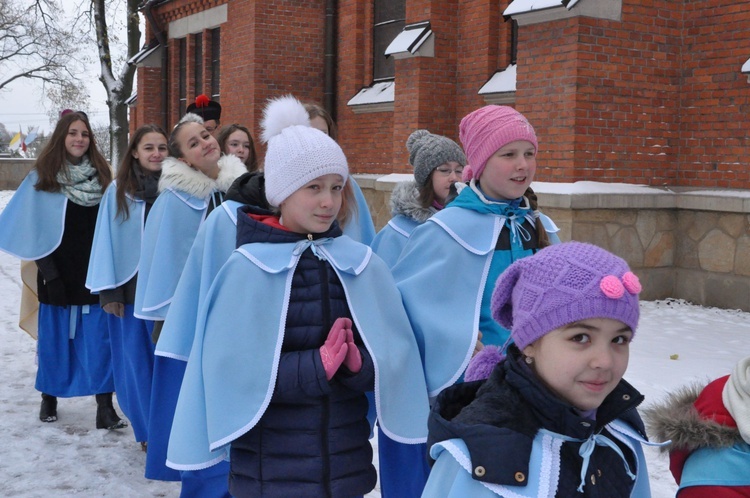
<point x="404" y="468"/>
<point x="212" y="482"/>
<point x="74" y="352"/>
<point x="133" y="367"/>
<point x="165" y="387"/>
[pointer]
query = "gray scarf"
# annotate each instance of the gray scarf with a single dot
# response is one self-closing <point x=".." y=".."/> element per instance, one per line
<point x="80" y="183"/>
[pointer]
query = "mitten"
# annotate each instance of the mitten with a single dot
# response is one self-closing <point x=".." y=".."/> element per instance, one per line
<point x="56" y="292"/>
<point x="334" y="350"/>
<point x="353" y="360"/>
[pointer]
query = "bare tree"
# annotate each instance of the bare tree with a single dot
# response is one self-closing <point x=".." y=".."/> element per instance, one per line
<point x="34" y="45"/>
<point x="117" y="77"/>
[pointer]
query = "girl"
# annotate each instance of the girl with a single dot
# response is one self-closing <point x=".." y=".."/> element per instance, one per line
<point x="290" y="336"/>
<point x="438" y="163"/>
<point x="708" y="434"/>
<point x="193" y="182"/>
<point x="51" y="220"/>
<point x="236" y="139"/>
<point x="113" y="267"/>
<point x="554" y="418"/>
<point x="446" y="270"/>
<point x="356" y="222"/>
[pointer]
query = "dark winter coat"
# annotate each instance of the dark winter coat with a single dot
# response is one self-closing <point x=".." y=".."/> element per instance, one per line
<point x="312" y="441"/>
<point x="62" y="275"/>
<point x="692" y="432"/>
<point x="499" y="418"/>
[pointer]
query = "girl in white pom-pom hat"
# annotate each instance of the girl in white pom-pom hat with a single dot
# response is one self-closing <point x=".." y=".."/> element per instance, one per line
<point x="298" y="324"/>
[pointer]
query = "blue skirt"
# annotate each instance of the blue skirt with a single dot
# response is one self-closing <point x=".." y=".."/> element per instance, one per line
<point x="73" y="350"/>
<point x="165" y="387"/>
<point x="133" y="367"/>
<point x="404" y="468"/>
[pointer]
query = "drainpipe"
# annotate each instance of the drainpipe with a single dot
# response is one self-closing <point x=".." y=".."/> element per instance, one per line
<point x="161" y="38"/>
<point x="329" y="66"/>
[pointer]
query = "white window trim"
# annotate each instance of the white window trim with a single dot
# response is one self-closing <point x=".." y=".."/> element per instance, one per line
<point x="378" y="97"/>
<point x="195" y="23"/>
<point x="501" y="87"/>
<point x="415" y="40"/>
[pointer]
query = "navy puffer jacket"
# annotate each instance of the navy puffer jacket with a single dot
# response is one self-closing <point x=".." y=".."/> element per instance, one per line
<point x="313" y="438"/>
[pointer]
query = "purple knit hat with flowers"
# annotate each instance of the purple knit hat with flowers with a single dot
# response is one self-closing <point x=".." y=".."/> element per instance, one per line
<point x="562" y="284"/>
<point x="489" y="128"/>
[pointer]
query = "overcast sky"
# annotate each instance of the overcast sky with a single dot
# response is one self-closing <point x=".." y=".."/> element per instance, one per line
<point x="21" y="103"/>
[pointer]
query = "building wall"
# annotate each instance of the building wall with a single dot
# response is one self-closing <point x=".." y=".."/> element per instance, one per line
<point x="653" y="96"/>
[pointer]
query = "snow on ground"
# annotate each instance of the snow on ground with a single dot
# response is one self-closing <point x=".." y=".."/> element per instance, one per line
<point x="72" y="458"/>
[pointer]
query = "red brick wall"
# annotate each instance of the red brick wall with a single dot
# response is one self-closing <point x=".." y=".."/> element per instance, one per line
<point x="654" y="98"/>
<point x="715" y="97"/>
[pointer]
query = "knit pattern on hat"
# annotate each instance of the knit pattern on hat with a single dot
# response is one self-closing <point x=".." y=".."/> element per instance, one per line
<point x="428" y="151"/>
<point x="296" y="153"/>
<point x="490" y="128"/>
<point x="736" y="397"/>
<point x="562" y="284"/>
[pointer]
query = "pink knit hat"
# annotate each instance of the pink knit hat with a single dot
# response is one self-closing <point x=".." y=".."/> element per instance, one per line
<point x="489" y="128"/>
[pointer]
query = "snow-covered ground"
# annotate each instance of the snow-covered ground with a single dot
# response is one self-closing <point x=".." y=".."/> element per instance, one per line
<point x="675" y="344"/>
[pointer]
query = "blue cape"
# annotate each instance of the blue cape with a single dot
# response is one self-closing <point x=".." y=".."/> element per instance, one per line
<point x="168" y="235"/>
<point x="117" y="243"/>
<point x="451" y="476"/>
<point x="202" y="265"/>
<point x="361" y="228"/>
<point x="224" y="395"/>
<point x="391" y="239"/>
<point x="32" y="224"/>
<point x="441" y="274"/>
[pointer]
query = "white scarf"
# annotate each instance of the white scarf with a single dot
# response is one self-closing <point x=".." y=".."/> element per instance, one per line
<point x="80" y="182"/>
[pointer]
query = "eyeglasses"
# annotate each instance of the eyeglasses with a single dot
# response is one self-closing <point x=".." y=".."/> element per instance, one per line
<point x="447" y="171"/>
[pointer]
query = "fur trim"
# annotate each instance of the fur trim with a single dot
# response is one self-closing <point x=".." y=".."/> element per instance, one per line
<point x="676" y="419"/>
<point x="405" y="200"/>
<point x="230" y="168"/>
<point x="280" y="113"/>
<point x="191" y="118"/>
<point x="177" y="175"/>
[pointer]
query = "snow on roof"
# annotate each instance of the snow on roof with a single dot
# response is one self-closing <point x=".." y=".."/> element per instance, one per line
<point x="501" y="81"/>
<point x="521" y="6"/>
<point x="377" y="93"/>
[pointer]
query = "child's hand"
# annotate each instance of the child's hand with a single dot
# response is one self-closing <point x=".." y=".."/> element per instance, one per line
<point x="335" y="349"/>
<point x="353" y="359"/>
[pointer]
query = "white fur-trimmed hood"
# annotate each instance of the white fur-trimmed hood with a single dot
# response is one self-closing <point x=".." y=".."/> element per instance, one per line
<point x="405" y="200"/>
<point x="177" y="175"/>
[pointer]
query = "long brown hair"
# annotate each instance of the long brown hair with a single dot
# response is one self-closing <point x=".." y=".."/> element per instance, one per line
<point x="252" y="160"/>
<point x="541" y="232"/>
<point x="315" y="111"/>
<point x="127" y="181"/>
<point x="53" y="157"/>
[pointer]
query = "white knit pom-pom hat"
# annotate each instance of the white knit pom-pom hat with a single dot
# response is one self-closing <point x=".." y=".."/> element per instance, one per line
<point x="296" y="153"/>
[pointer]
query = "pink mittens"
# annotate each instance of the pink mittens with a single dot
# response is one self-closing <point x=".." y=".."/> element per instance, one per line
<point x="339" y="349"/>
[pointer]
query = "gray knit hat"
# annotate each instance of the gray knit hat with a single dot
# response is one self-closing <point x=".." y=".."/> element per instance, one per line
<point x="428" y="151"/>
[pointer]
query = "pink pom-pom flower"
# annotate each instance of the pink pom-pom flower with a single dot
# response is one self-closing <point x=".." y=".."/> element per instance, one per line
<point x="612" y="287"/>
<point x="632" y="283"/>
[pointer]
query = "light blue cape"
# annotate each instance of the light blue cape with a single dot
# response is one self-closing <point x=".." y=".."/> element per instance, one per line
<point x="167" y="237"/>
<point x="231" y="373"/>
<point x="212" y="247"/>
<point x="391" y="239"/>
<point x="444" y="305"/>
<point x="32" y="224"/>
<point x="117" y="243"/>
<point x="451" y="476"/>
<point x="361" y="228"/>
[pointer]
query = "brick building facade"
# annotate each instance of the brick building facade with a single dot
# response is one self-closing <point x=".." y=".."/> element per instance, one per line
<point x="652" y="92"/>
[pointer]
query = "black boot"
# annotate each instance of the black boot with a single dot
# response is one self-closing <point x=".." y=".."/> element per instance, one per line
<point x="106" y="416"/>
<point x="48" y="411"/>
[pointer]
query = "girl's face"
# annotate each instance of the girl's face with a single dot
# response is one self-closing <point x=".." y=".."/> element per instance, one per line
<point x="77" y="141"/>
<point x="314" y="207"/>
<point x="509" y="171"/>
<point x="582" y="362"/>
<point x="319" y="124"/>
<point x="199" y="148"/>
<point x="443" y="177"/>
<point x="151" y="151"/>
<point x="238" y="143"/>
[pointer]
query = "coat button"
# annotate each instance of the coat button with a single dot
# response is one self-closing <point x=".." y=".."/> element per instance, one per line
<point x="479" y="471"/>
<point x="586" y="424"/>
<point x="626" y="397"/>
<point x="593" y="479"/>
<point x="520" y="477"/>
